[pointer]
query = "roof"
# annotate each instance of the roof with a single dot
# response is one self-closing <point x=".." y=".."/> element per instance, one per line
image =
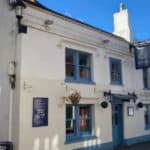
<point x="39" y="5"/>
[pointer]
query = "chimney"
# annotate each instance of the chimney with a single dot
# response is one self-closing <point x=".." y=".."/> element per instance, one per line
<point x="121" y="6"/>
<point x="122" y="24"/>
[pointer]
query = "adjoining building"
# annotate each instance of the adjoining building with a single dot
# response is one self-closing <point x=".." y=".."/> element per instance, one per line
<point x="67" y="85"/>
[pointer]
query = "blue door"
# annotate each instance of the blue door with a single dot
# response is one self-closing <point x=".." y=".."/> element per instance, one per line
<point x="117" y="124"/>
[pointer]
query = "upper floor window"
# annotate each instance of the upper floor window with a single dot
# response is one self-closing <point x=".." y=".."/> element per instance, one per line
<point x="146" y="78"/>
<point x="78" y="122"/>
<point x="78" y="66"/>
<point x="115" y="71"/>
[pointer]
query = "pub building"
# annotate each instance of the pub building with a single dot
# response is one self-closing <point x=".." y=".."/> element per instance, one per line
<point x="66" y="85"/>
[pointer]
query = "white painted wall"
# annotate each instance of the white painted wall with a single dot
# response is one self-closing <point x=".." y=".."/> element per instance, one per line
<point x="43" y="75"/>
<point x="123" y="26"/>
<point x="6" y="55"/>
<point x="9" y="99"/>
<point x="40" y="57"/>
<point x="43" y="70"/>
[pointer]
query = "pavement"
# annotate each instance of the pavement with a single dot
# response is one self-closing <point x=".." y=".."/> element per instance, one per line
<point x="139" y="146"/>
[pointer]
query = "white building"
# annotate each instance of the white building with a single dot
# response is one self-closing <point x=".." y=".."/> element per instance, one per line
<point x="57" y="56"/>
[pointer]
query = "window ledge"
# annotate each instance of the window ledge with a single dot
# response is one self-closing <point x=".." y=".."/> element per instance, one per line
<point x="116" y="84"/>
<point x="79" y="139"/>
<point x="80" y="82"/>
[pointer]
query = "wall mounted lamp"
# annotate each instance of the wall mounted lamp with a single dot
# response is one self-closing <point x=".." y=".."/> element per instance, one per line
<point x="19" y="6"/>
<point x="107" y="95"/>
<point x="12" y="73"/>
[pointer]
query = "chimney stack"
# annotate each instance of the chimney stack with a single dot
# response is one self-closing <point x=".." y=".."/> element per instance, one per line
<point x="122" y="24"/>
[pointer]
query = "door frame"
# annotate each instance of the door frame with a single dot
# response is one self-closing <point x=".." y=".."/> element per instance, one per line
<point x="118" y="102"/>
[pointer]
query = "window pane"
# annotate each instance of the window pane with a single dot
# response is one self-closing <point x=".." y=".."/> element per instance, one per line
<point x="84" y="125"/>
<point x="84" y="118"/>
<point x="77" y="65"/>
<point x="70" y="70"/>
<point x="70" y="126"/>
<point x="115" y="71"/>
<point x="84" y="73"/>
<point x="69" y="57"/>
<point x="146" y="78"/>
<point x="84" y="59"/>
<point x="146" y="115"/>
<point x="70" y="119"/>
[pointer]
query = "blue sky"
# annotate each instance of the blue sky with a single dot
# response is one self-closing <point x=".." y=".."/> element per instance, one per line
<point x="99" y="13"/>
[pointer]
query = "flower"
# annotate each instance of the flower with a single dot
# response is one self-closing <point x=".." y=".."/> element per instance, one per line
<point x="74" y="97"/>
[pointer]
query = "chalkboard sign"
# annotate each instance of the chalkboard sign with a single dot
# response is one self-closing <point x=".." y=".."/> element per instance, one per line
<point x="6" y="146"/>
<point x="142" y="57"/>
<point x="40" y="112"/>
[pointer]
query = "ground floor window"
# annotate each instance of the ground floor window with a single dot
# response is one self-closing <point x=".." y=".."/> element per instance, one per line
<point x="78" y="121"/>
<point x="147" y="116"/>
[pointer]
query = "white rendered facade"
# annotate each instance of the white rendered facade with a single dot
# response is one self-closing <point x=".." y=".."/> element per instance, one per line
<point x="40" y="59"/>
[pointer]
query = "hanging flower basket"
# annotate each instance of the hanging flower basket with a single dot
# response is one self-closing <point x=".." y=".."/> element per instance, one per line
<point x="74" y="97"/>
<point x="140" y="105"/>
<point x="104" y="104"/>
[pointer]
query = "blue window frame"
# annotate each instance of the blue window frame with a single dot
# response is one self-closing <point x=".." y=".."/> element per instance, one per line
<point x="115" y="71"/>
<point x="146" y="78"/>
<point x="147" y="116"/>
<point x="78" y="122"/>
<point x="78" y="66"/>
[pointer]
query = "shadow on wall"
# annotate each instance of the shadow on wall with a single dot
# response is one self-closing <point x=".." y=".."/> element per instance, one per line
<point x="53" y="144"/>
<point x="94" y="142"/>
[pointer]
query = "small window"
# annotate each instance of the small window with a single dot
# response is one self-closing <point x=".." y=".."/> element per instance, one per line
<point x="78" y="121"/>
<point x="115" y="71"/>
<point x="146" y="78"/>
<point x="78" y="66"/>
<point x="147" y="116"/>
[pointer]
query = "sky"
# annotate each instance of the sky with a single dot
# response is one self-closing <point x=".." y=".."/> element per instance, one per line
<point x="99" y="13"/>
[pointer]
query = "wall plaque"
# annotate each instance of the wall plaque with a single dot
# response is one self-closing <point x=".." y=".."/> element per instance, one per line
<point x="40" y="112"/>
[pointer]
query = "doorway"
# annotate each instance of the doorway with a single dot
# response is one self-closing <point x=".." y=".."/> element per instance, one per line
<point x="117" y="124"/>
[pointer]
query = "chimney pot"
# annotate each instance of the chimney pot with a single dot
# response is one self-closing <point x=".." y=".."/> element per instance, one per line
<point x="121" y="6"/>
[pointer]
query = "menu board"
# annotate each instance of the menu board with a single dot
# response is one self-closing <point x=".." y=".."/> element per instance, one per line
<point x="40" y="112"/>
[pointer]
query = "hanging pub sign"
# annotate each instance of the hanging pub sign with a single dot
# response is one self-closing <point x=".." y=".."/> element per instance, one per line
<point x="40" y="112"/>
<point x="142" y="57"/>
